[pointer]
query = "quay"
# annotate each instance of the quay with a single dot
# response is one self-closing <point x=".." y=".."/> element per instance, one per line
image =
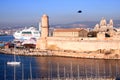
<point x="99" y="54"/>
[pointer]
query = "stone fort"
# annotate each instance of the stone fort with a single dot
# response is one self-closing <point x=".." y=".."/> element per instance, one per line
<point x="76" y="38"/>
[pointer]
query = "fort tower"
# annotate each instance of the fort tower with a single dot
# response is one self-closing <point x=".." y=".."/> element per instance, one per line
<point x="44" y="26"/>
<point x="42" y="41"/>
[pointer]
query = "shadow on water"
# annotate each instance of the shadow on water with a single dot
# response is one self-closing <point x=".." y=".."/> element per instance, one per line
<point x="59" y="68"/>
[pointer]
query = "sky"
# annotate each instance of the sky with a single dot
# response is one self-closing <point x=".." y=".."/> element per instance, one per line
<point x="59" y="11"/>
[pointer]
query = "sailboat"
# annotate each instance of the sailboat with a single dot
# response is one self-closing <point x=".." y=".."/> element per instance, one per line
<point x="13" y="62"/>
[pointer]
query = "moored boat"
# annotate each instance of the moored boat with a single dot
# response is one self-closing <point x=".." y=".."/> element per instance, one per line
<point x="27" y="33"/>
<point x="13" y="63"/>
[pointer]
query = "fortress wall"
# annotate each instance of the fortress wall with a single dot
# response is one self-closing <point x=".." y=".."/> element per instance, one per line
<point x="71" y="38"/>
<point x="82" y="45"/>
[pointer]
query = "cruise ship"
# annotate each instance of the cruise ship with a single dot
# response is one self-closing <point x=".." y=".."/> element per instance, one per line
<point x="27" y="33"/>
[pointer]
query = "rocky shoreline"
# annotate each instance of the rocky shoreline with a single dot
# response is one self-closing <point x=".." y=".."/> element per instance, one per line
<point x="99" y="54"/>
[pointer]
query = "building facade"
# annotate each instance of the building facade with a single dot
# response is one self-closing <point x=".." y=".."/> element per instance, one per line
<point x="70" y="32"/>
<point x="103" y="26"/>
<point x="75" y="39"/>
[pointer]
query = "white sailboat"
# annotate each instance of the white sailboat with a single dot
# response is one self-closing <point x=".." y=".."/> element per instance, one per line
<point x="13" y="62"/>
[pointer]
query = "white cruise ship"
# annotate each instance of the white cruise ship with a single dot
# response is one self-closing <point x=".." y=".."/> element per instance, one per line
<point x="27" y="33"/>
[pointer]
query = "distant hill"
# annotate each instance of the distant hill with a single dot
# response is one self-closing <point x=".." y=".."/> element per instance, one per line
<point x="84" y="24"/>
<point x="116" y="23"/>
<point x="6" y="26"/>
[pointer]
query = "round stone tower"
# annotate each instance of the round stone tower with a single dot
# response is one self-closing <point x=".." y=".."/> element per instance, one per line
<point x="44" y="26"/>
<point x="42" y="41"/>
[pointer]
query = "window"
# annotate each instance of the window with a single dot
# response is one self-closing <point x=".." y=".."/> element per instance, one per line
<point x="26" y="33"/>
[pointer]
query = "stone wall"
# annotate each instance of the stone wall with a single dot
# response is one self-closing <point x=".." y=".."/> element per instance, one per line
<point x="81" y="44"/>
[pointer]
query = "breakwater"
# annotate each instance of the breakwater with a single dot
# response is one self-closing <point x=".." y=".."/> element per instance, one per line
<point x="99" y="54"/>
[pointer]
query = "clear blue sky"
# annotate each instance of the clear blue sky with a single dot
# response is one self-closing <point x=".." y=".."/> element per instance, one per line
<point x="59" y="11"/>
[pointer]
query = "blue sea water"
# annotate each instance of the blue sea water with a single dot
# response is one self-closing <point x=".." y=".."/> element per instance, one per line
<point x="6" y="38"/>
<point x="7" y="72"/>
<point x="56" y="67"/>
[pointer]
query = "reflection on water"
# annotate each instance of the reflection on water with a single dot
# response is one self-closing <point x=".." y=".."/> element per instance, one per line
<point x="78" y="68"/>
<point x="58" y="67"/>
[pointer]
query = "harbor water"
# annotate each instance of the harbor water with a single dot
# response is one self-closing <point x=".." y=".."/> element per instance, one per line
<point x="6" y="38"/>
<point x="57" y="68"/>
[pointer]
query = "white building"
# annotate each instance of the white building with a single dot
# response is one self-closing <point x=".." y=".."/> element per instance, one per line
<point x="103" y="26"/>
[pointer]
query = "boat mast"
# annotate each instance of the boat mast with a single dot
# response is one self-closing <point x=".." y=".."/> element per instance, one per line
<point x="58" y="75"/>
<point x="78" y="72"/>
<point x="86" y="72"/>
<point x="116" y="69"/>
<point x="4" y="72"/>
<point x="14" y="72"/>
<point x="22" y="72"/>
<point x="71" y="71"/>
<point x="110" y="72"/>
<point x="91" y="71"/>
<point x="64" y="73"/>
<point x="14" y="52"/>
<point x="30" y="72"/>
<point x="14" y="65"/>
